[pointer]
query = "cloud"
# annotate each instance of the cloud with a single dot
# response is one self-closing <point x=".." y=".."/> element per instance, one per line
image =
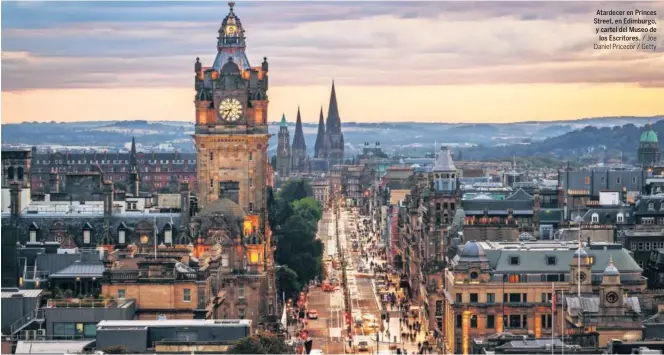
<point x="367" y="43"/>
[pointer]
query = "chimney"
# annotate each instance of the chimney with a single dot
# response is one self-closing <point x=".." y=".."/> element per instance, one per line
<point x="230" y="190"/>
<point x="15" y="199"/>
<point x="135" y="183"/>
<point x="54" y="182"/>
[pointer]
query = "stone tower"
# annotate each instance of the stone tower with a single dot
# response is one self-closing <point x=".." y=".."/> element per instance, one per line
<point x="649" y="153"/>
<point x="299" y="149"/>
<point x="580" y="272"/>
<point x="320" y="149"/>
<point x="335" y="154"/>
<point x="283" y="149"/>
<point x="611" y="294"/>
<point x="231" y="133"/>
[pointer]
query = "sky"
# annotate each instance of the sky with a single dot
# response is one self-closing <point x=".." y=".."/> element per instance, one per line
<point x="443" y="61"/>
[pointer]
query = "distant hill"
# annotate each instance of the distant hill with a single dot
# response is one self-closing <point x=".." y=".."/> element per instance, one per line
<point x="478" y="141"/>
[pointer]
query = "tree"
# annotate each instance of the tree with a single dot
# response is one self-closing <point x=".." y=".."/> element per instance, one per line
<point x="261" y="344"/>
<point x="287" y="279"/>
<point x="308" y="208"/>
<point x="295" y="189"/>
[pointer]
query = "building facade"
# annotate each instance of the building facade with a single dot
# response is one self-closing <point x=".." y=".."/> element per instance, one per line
<point x="648" y="152"/>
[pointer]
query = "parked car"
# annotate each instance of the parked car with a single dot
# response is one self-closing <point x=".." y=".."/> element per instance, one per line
<point x="312" y="314"/>
<point x="363" y="345"/>
<point x="316" y="352"/>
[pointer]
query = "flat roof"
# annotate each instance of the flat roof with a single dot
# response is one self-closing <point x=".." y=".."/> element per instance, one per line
<point x="8" y="293"/>
<point x="175" y="322"/>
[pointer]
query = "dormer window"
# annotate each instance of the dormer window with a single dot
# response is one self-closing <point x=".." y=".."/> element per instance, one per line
<point x="651" y="206"/>
<point x="551" y="260"/>
<point x="514" y="260"/>
<point x="87" y="231"/>
<point x="595" y="218"/>
<point x="620" y="218"/>
<point x="661" y="207"/>
<point x="34" y="229"/>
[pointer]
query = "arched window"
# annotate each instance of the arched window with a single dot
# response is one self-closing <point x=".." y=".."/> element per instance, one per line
<point x="595" y="218"/>
<point x="651" y="206"/>
<point x="620" y="218"/>
<point x="19" y="173"/>
<point x="10" y="173"/>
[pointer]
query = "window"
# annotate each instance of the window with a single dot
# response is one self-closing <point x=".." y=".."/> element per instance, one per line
<point x="122" y="293"/>
<point x="251" y="182"/>
<point x="514" y="278"/>
<point x="240" y="313"/>
<point x="224" y="260"/>
<point x="524" y="322"/>
<point x="551" y="260"/>
<point x="651" y="206"/>
<point x="618" y="181"/>
<point x="524" y="298"/>
<point x="250" y="156"/>
<point x="473" y="298"/>
<point x="515" y="298"/>
<point x="640" y="246"/>
<point x="211" y="185"/>
<point x="595" y="218"/>
<point x="546" y="297"/>
<point x="587" y="180"/>
<point x="490" y="321"/>
<point x="86" y="237"/>
<point x="473" y="321"/>
<point x="514" y="260"/>
<point x="647" y="246"/>
<point x="251" y="207"/>
<point x="240" y="291"/>
<point x="514" y="321"/>
<point x="490" y="298"/>
<point x="211" y="156"/>
<point x="633" y="180"/>
<point x="33" y="236"/>
<point x="620" y="218"/>
<point x="186" y="295"/>
<point x="459" y="320"/>
<point x="459" y="297"/>
<point x="546" y="321"/>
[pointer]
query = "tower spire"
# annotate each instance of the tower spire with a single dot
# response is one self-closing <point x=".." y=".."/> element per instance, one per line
<point x="298" y="139"/>
<point x="319" y="148"/>
<point x="333" y="119"/>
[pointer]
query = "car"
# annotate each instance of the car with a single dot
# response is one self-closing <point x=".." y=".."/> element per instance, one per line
<point x="316" y="352"/>
<point x="312" y="314"/>
<point x="363" y="345"/>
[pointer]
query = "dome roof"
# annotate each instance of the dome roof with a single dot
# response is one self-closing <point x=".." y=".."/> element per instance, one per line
<point x="224" y="207"/>
<point x="472" y="249"/>
<point x="580" y="253"/>
<point x="611" y="270"/>
<point x="649" y="136"/>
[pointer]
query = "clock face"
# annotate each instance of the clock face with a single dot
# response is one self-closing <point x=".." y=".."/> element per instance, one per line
<point x="231" y="30"/>
<point x="145" y="239"/>
<point x="230" y="110"/>
<point x="581" y="276"/>
<point x="612" y="297"/>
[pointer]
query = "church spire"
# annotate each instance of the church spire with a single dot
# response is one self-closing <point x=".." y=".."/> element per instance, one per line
<point x="319" y="149"/>
<point x="132" y="154"/>
<point x="298" y="139"/>
<point x="333" y="119"/>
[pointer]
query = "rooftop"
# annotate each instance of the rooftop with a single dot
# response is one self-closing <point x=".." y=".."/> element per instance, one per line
<point x="175" y="323"/>
<point x="13" y="292"/>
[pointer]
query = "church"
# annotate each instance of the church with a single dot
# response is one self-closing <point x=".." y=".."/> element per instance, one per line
<point x="292" y="159"/>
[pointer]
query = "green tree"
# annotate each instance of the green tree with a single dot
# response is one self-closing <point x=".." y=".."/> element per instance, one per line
<point x="287" y="280"/>
<point x="261" y="344"/>
<point x="295" y="189"/>
<point x="308" y="208"/>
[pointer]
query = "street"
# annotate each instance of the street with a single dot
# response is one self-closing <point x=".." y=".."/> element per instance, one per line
<point x="369" y="330"/>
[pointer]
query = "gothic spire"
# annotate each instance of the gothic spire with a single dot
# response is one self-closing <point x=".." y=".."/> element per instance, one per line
<point x="333" y="119"/>
<point x="132" y="154"/>
<point x="298" y="139"/>
<point x="283" y="120"/>
<point x="319" y="149"/>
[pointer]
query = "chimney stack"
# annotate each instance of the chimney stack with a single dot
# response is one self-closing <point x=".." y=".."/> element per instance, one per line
<point x="15" y="199"/>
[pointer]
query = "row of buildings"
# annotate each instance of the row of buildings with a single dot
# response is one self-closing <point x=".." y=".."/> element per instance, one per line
<point x="484" y="257"/>
<point x="179" y="265"/>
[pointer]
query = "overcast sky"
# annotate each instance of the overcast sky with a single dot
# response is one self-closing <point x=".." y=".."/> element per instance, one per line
<point x="392" y="61"/>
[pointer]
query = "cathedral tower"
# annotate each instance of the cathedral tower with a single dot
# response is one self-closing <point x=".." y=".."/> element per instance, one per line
<point x="299" y="149"/>
<point x="335" y="153"/>
<point x="283" y="150"/>
<point x="648" y="152"/>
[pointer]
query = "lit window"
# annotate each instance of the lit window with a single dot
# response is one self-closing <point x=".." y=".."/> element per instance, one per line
<point x="122" y="293"/>
<point x="240" y="291"/>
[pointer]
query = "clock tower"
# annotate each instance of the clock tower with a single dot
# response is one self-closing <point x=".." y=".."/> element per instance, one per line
<point x="231" y="134"/>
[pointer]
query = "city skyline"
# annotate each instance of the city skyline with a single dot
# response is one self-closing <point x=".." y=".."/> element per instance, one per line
<point x="502" y="62"/>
